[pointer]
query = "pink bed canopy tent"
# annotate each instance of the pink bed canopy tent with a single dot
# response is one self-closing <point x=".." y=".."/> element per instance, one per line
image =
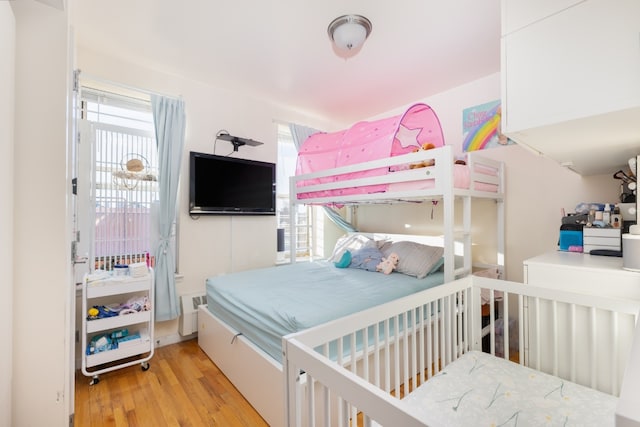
<point x="366" y="141"/>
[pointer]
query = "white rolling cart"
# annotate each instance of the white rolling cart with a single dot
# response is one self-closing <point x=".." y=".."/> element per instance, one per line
<point x="110" y="343"/>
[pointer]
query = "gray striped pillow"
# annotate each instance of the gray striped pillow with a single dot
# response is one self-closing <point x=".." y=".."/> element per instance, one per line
<point x="414" y="259"/>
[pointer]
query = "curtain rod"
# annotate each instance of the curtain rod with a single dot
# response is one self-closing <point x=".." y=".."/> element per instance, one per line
<point x="130" y="98"/>
<point x="125" y="86"/>
<point x="287" y="123"/>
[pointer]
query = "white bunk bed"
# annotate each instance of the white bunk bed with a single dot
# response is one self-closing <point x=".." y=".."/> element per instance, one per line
<point x="416" y="361"/>
<point x="256" y="374"/>
<point x="444" y="181"/>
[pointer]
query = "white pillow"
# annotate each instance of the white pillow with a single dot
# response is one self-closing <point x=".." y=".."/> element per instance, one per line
<point x="414" y="259"/>
<point x="350" y="242"/>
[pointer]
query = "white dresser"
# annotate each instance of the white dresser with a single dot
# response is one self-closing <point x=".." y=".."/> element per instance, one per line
<point x="586" y="274"/>
<point x="576" y="272"/>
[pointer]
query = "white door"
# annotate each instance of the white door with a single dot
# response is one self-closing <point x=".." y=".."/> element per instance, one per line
<point x="84" y="201"/>
<point x="72" y="209"/>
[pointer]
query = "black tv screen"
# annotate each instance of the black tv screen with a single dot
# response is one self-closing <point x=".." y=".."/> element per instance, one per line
<point x="229" y="186"/>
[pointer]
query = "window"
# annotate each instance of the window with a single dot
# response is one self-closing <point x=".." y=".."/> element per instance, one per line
<point x="286" y="167"/>
<point x="124" y="177"/>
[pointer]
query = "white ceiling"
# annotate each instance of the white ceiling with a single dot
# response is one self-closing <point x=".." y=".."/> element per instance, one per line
<point x="279" y="49"/>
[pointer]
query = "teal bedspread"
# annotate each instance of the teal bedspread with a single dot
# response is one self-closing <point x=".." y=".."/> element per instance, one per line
<point x="266" y="304"/>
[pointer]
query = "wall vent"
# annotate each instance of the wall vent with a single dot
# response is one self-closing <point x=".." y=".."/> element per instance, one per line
<point x="188" y="323"/>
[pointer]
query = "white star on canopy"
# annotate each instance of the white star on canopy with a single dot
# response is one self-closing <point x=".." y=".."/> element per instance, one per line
<point x="408" y="137"/>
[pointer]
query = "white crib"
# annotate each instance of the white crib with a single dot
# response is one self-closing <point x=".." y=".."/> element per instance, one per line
<point x="361" y="367"/>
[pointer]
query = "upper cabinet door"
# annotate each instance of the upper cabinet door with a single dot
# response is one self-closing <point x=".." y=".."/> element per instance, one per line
<point x="577" y="73"/>
<point x="517" y="14"/>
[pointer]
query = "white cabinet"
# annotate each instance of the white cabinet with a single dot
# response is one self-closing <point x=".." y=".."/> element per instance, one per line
<point x="570" y="84"/>
<point x="582" y="273"/>
<point x="123" y="338"/>
<point x="586" y="274"/>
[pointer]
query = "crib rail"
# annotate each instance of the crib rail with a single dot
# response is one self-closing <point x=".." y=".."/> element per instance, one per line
<point x="359" y="367"/>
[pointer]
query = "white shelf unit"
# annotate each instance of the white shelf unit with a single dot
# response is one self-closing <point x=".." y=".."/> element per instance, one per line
<point x="109" y="291"/>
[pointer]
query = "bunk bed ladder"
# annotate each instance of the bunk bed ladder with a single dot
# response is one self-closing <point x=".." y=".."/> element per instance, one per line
<point x="466" y="234"/>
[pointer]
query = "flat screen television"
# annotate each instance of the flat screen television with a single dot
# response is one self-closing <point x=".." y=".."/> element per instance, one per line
<point x="221" y="185"/>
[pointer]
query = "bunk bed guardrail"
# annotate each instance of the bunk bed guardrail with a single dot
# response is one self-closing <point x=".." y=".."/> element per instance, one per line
<point x="328" y="183"/>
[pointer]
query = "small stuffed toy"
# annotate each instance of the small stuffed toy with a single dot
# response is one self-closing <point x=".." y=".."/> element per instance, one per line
<point x="387" y="265"/>
<point x="425" y="163"/>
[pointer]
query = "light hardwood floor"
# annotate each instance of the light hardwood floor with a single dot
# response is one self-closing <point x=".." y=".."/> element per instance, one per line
<point x="181" y="388"/>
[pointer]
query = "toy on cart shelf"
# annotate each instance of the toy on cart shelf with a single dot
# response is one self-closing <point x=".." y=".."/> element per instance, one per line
<point x="101" y="343"/>
<point x="111" y="341"/>
<point x="133" y="305"/>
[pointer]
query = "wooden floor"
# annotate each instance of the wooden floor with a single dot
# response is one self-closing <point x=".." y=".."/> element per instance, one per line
<point x="181" y="388"/>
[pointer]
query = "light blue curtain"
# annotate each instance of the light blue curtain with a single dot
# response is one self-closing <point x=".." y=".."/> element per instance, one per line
<point x="169" y="120"/>
<point x="337" y="219"/>
<point x="299" y="134"/>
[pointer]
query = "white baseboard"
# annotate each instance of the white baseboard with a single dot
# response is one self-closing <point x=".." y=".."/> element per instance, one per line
<point x="173" y="339"/>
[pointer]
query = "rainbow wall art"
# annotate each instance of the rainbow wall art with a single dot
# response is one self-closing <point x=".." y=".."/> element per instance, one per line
<point x="481" y="127"/>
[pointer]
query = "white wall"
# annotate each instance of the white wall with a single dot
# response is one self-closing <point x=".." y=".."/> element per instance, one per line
<point x="7" y="63"/>
<point x="536" y="189"/>
<point x="41" y="253"/>
<point x="209" y="245"/>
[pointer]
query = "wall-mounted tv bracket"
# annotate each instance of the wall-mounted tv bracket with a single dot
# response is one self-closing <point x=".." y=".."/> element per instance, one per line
<point x="236" y="141"/>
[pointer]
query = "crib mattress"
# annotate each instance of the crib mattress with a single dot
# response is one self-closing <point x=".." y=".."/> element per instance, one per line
<point x="481" y="390"/>
<point x="266" y="304"/>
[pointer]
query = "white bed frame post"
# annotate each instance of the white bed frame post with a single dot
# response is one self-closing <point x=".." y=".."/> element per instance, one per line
<point x="448" y="202"/>
<point x="628" y="410"/>
<point x="467" y="239"/>
<point x="292" y="416"/>
<point x="500" y="257"/>
<point x="476" y="318"/>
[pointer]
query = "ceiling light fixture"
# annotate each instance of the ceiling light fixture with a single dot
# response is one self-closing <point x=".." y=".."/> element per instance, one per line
<point x="348" y="32"/>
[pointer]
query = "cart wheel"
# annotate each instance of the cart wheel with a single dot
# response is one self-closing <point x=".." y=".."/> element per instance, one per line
<point x="145" y="366"/>
<point x="95" y="380"/>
